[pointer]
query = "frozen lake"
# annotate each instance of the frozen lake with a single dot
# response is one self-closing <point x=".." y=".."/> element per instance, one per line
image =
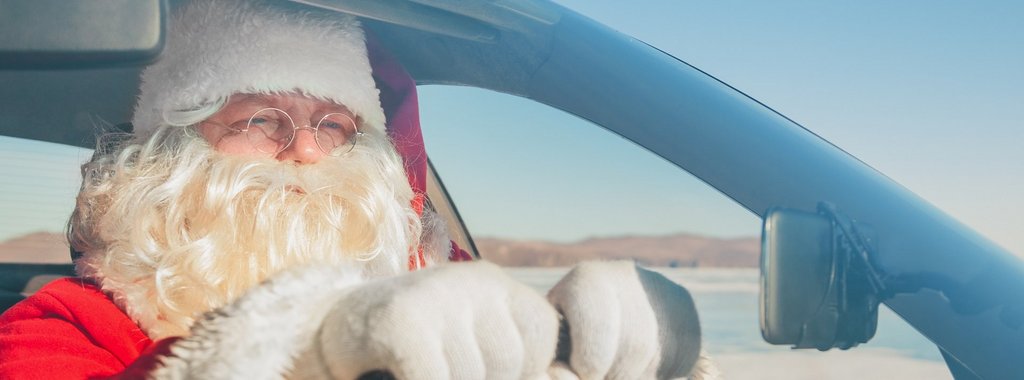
<point x="727" y="303"/>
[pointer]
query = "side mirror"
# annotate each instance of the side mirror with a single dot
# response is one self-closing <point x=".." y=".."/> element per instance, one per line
<point x="74" y="34"/>
<point x="818" y="287"/>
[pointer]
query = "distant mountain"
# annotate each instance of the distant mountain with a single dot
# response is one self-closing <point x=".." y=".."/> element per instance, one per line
<point x="680" y="250"/>
<point x="36" y="247"/>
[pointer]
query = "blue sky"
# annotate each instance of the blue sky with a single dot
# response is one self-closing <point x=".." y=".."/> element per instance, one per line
<point x="928" y="93"/>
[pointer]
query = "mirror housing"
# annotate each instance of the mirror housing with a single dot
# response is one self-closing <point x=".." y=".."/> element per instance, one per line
<point x="818" y="288"/>
<point x="76" y="34"/>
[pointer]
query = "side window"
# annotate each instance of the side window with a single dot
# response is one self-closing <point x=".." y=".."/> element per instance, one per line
<point x="38" y="184"/>
<point x="540" y="190"/>
<point x="520" y="171"/>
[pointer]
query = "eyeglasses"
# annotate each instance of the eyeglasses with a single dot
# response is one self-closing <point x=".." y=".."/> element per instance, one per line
<point x="272" y="130"/>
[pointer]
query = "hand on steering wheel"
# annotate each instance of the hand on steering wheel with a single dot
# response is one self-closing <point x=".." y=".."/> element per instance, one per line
<point x="625" y="322"/>
<point x="457" y="321"/>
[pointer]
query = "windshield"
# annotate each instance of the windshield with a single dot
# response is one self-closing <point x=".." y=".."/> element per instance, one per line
<point x="926" y="94"/>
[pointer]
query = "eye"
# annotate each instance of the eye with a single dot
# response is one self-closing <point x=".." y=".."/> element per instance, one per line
<point x="269" y="120"/>
<point x="263" y="119"/>
<point x="338" y="122"/>
<point x="260" y="121"/>
<point x="331" y="124"/>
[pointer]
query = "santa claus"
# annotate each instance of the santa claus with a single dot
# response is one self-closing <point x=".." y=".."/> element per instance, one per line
<point x="266" y="219"/>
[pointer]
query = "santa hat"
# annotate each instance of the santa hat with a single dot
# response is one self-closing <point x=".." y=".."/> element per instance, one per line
<point x="218" y="48"/>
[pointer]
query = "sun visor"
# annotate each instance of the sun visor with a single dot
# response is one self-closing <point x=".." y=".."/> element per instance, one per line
<point x="79" y="34"/>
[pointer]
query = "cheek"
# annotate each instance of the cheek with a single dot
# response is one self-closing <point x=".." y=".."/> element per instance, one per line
<point x="235" y="147"/>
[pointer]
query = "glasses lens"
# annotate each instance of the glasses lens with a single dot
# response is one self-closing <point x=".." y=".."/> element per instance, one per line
<point x="270" y="130"/>
<point x="336" y="134"/>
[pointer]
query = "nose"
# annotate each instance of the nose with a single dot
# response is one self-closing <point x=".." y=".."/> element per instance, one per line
<point x="303" y="149"/>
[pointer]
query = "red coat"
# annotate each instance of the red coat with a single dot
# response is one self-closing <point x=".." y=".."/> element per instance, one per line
<point x="70" y="330"/>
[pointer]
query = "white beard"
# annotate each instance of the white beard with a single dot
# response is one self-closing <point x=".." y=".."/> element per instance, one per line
<point x="171" y="229"/>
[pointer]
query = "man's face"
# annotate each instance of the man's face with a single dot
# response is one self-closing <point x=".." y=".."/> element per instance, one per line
<point x="288" y="127"/>
<point x="188" y="223"/>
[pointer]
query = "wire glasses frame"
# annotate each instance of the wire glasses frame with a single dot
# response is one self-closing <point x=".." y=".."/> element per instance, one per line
<point x="272" y="130"/>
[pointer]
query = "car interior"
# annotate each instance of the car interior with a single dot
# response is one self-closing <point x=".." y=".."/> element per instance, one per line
<point x="66" y="68"/>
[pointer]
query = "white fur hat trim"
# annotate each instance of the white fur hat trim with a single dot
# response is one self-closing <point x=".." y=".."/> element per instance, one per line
<point x="218" y="48"/>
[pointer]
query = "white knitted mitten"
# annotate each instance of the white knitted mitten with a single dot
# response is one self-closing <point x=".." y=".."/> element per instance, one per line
<point x="456" y="321"/>
<point x="625" y="322"/>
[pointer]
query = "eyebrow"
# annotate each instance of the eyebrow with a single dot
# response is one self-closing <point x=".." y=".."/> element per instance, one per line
<point x="263" y="100"/>
<point x="250" y="99"/>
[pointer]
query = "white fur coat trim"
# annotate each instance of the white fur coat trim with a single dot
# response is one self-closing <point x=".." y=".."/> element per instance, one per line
<point x="260" y="335"/>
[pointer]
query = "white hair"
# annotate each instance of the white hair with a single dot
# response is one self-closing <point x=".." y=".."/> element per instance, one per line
<point x="171" y="228"/>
